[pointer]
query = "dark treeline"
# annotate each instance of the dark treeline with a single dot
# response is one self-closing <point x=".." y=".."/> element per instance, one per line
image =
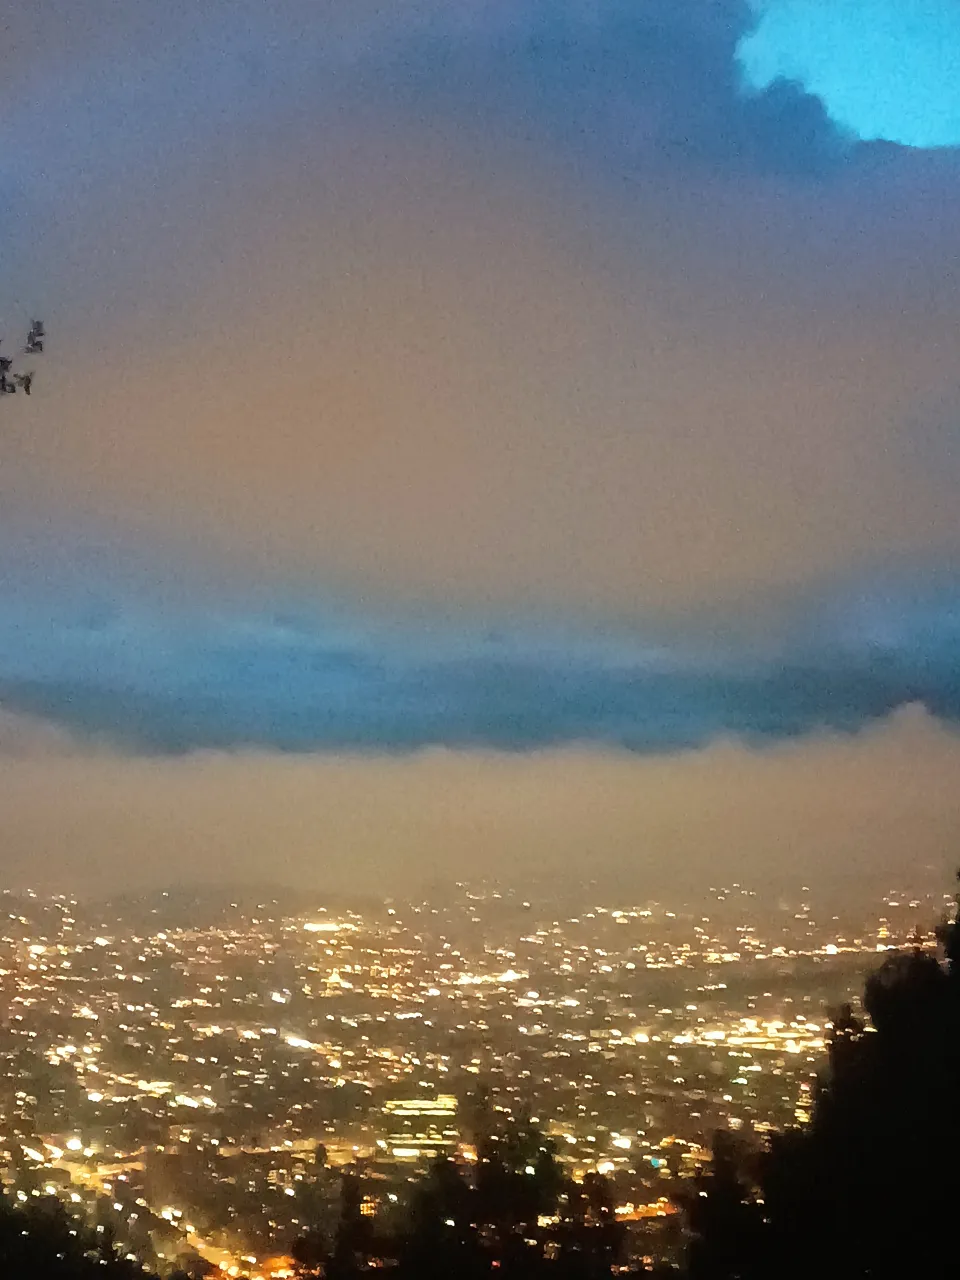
<point x="870" y="1188"/>
<point x="40" y="1240"/>
<point x="513" y="1213"/>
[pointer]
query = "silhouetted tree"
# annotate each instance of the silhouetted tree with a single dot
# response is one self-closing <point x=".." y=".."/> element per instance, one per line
<point x="871" y="1187"/>
<point x="351" y="1233"/>
<point x="443" y="1237"/>
<point x="725" y="1219"/>
<point x="41" y="1240"/>
<point x="518" y="1180"/>
<point x="590" y="1238"/>
<point x="512" y="1213"/>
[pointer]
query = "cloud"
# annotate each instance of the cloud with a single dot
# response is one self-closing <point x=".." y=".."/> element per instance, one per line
<point x="880" y="806"/>
<point x="515" y="305"/>
<point x="623" y="82"/>
<point x="163" y="677"/>
<point x="469" y="315"/>
<point x="26" y="737"/>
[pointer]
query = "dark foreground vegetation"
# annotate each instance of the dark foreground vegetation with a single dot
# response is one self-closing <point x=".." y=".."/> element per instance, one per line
<point x="870" y="1188"/>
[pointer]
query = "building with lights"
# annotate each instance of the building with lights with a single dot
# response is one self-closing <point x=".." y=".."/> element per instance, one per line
<point x="421" y="1127"/>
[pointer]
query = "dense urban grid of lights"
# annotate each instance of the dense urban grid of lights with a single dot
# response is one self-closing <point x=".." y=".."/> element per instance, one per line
<point x="174" y="1072"/>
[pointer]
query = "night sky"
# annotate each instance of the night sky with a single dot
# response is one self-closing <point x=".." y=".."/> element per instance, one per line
<point x="480" y="434"/>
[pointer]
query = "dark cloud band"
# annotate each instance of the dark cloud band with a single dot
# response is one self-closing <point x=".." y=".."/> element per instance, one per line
<point x="308" y="682"/>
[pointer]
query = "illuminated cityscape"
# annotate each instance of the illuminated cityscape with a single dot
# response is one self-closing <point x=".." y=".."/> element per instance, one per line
<point x="479" y="639"/>
<point x="193" y="1072"/>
